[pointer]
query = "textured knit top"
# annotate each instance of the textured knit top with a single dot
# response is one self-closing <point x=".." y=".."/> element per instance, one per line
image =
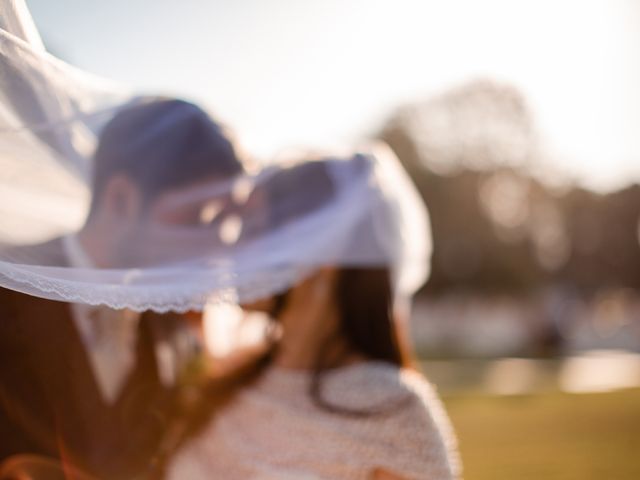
<point x="274" y="430"/>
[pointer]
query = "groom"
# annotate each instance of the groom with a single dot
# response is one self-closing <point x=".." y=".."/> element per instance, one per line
<point x="88" y="385"/>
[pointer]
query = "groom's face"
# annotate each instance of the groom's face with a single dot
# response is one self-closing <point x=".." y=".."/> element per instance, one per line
<point x="199" y="207"/>
<point x="171" y="225"/>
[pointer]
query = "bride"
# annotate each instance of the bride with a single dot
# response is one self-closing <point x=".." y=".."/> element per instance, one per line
<point x="337" y="394"/>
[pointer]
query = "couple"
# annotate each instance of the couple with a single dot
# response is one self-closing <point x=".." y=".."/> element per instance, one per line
<point x="331" y="392"/>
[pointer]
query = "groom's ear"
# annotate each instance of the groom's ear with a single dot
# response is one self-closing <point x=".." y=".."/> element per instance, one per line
<point x="121" y="200"/>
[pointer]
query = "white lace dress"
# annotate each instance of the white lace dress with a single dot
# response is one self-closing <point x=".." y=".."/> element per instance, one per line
<point x="273" y="430"/>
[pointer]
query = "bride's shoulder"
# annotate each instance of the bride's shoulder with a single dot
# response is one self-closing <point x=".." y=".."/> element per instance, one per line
<point x="413" y="419"/>
<point x="378" y="382"/>
<point x="372" y="376"/>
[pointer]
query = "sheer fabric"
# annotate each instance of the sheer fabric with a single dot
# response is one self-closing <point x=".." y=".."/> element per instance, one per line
<point x="155" y="192"/>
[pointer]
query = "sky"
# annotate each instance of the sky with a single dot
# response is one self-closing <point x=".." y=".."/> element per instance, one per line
<point x="289" y="73"/>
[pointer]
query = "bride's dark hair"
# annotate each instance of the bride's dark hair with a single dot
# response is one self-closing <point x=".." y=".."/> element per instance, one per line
<point x="368" y="324"/>
<point x="365" y="304"/>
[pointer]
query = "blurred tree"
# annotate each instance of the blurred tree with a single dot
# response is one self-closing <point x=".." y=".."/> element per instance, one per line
<point x="604" y="233"/>
<point x="479" y="125"/>
<point x="471" y="152"/>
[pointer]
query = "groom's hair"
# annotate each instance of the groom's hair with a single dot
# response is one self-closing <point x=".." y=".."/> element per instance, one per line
<point x="162" y="144"/>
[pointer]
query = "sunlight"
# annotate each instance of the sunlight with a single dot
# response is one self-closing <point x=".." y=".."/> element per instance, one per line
<point x="292" y="73"/>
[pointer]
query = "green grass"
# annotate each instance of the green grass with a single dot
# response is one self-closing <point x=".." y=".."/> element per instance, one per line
<point x="549" y="436"/>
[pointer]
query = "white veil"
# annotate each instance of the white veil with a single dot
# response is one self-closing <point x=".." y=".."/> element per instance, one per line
<point x="76" y="152"/>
